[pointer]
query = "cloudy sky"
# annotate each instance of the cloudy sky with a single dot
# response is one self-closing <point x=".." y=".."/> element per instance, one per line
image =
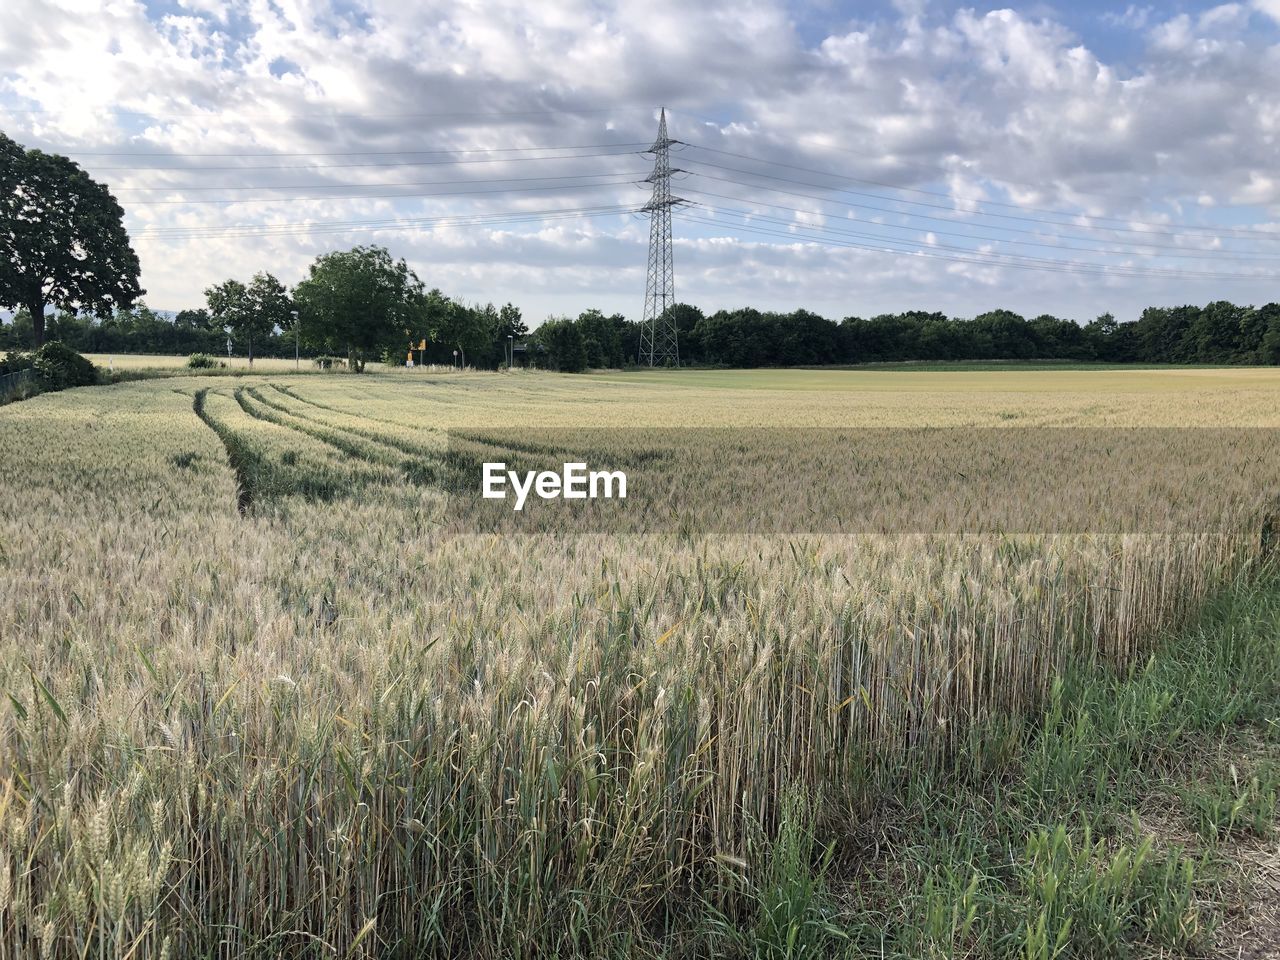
<point x="1071" y="157"/>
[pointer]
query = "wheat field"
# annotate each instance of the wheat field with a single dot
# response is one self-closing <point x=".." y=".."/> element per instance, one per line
<point x="263" y="700"/>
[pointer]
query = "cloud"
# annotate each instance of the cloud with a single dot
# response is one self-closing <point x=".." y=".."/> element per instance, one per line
<point x="1133" y="17"/>
<point x="967" y="109"/>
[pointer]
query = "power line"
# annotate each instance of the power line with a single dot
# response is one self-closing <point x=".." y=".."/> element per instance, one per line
<point x="236" y="114"/>
<point x="947" y="196"/>
<point x="1184" y="253"/>
<point x="386" y="196"/>
<point x="353" y="185"/>
<point x="1170" y="272"/>
<point x="932" y="172"/>
<point x="394" y="223"/>
<point x="921" y="216"/>
<point x="383" y="163"/>
<point x="347" y="153"/>
<point x="991" y="260"/>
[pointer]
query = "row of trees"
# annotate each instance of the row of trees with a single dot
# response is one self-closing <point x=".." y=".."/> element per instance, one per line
<point x="359" y="303"/>
<point x="1220" y="332"/>
<point x="365" y="304"/>
<point x="335" y="317"/>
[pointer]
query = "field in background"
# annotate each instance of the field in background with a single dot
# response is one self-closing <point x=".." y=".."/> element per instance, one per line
<point x="145" y="361"/>
<point x="256" y="686"/>
<point x="963" y="377"/>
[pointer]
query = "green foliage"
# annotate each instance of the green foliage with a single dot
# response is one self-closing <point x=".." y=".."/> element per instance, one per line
<point x="62" y="238"/>
<point x="794" y="914"/>
<point x="1030" y="847"/>
<point x="61" y="367"/>
<point x="15" y="387"/>
<point x="1233" y="803"/>
<point x="561" y="345"/>
<point x="15" y="361"/>
<point x="360" y="302"/>
<point x="253" y="312"/>
<point x="448" y="325"/>
<point x="202" y="361"/>
<point x="1085" y="898"/>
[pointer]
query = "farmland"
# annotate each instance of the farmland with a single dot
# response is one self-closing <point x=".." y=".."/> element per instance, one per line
<point x="266" y="695"/>
<point x="169" y="362"/>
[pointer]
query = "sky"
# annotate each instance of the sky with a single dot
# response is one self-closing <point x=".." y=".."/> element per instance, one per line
<point x="1071" y="158"/>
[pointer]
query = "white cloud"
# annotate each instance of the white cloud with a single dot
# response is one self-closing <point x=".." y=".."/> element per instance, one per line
<point x="1270" y="7"/>
<point x="998" y="106"/>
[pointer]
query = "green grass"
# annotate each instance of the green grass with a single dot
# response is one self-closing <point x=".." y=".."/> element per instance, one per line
<point x="1098" y="828"/>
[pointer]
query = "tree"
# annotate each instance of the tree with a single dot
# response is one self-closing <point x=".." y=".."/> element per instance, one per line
<point x="270" y="307"/>
<point x="686" y="317"/>
<point x="511" y="323"/>
<point x="251" y="312"/>
<point x="62" y="238"/>
<point x="230" y="307"/>
<point x="563" y="344"/>
<point x="602" y="338"/>
<point x="1269" y="351"/>
<point x="361" y="302"/>
<point x="510" y="329"/>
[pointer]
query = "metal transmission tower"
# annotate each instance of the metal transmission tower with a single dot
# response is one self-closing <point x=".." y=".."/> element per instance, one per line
<point x="658" y="343"/>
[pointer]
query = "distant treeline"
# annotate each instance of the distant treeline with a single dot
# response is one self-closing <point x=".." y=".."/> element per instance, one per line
<point x="140" y="330"/>
<point x="1220" y="332"/>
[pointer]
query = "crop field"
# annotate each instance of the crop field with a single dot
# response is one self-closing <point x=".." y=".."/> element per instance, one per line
<point x="149" y="361"/>
<point x="268" y="693"/>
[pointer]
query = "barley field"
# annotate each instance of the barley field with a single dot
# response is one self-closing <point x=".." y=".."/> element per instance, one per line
<point x="266" y="696"/>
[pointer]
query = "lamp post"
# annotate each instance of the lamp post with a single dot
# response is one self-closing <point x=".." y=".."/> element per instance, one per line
<point x="297" y="353"/>
<point x="511" y="351"/>
<point x="455" y="359"/>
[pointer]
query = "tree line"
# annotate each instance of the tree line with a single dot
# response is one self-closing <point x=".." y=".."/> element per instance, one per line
<point x="258" y="316"/>
<point x="1217" y="333"/>
<point x="359" y="304"/>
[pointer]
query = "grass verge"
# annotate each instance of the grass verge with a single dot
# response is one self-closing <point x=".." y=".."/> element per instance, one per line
<point x="1108" y="826"/>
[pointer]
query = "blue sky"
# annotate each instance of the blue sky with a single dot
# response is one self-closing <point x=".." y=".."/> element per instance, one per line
<point x="851" y="158"/>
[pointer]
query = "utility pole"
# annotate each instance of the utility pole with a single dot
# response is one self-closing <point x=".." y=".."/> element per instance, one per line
<point x="658" y="343"/>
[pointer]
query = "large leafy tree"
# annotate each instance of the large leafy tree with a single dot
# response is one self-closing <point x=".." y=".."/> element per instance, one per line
<point x="361" y="302"/>
<point x="562" y="344"/>
<point x="229" y="305"/>
<point x="251" y="312"/>
<point x="270" y="307"/>
<point x="62" y="238"/>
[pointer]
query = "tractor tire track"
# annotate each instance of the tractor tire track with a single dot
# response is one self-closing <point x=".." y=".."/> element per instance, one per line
<point x="243" y="462"/>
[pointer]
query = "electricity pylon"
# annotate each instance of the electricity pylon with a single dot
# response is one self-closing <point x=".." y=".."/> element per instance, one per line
<point x="658" y="341"/>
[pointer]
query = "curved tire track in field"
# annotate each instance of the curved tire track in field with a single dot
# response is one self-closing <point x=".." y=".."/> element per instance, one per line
<point x="240" y="459"/>
<point x="421" y="472"/>
<point x="403" y="446"/>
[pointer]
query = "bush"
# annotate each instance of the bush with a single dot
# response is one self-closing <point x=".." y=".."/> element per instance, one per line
<point x="325" y="362"/>
<point x="60" y="367"/>
<point x="202" y="361"/>
<point x="15" y="362"/>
